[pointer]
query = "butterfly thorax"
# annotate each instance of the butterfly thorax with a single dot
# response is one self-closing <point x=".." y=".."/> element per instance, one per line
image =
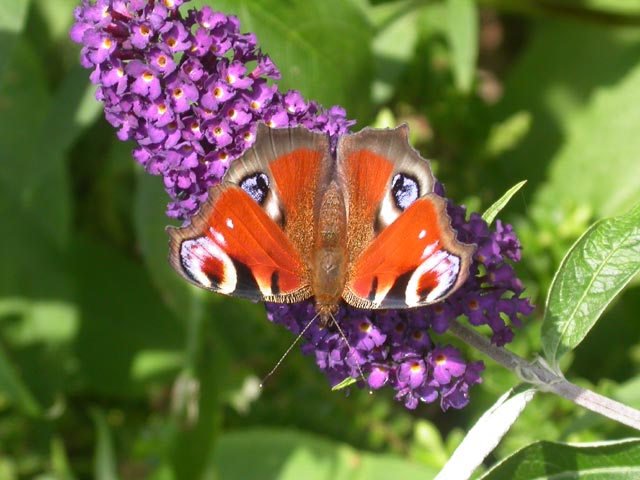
<point x="330" y="252"/>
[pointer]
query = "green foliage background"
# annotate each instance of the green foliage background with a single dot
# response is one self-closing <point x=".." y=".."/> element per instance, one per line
<point x="111" y="367"/>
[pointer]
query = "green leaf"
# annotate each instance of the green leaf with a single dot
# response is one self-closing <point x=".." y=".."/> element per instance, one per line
<point x="58" y="16"/>
<point x="322" y="48"/>
<point x="594" y="271"/>
<point x="507" y="134"/>
<point x="60" y="461"/>
<point x="36" y="291"/>
<point x="122" y="320"/>
<point x="492" y="212"/>
<point x="620" y="7"/>
<point x="462" y="22"/>
<point x="560" y="95"/>
<point x="604" y="460"/>
<point x="393" y="46"/>
<point x="344" y="384"/>
<point x="150" y="223"/>
<point x="12" y="387"/>
<point x="198" y="408"/>
<point x="13" y="16"/>
<point x="485" y="435"/>
<point x="105" y="464"/>
<point x="35" y="179"/>
<point x="287" y="455"/>
<point x="600" y="170"/>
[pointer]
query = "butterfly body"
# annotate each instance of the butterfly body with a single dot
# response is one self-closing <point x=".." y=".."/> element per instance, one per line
<point x="330" y="254"/>
<point x="289" y="222"/>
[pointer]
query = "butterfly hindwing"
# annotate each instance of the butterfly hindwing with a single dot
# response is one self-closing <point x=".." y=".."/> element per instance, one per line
<point x="415" y="261"/>
<point x="233" y="247"/>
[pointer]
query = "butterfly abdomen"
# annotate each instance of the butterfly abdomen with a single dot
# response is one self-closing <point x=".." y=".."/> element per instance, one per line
<point x="330" y="250"/>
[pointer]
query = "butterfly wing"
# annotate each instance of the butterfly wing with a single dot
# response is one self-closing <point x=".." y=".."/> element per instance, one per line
<point x="415" y="261"/>
<point x="297" y="166"/>
<point x="233" y="247"/>
<point x="247" y="240"/>
<point x="403" y="251"/>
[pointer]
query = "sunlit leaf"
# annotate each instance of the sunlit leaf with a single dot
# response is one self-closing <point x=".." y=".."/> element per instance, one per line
<point x="618" y="460"/>
<point x="463" y="38"/>
<point x="492" y="212"/>
<point x="594" y="271"/>
<point x="60" y="461"/>
<point x="13" y="16"/>
<point x="485" y="435"/>
<point x="322" y="49"/>
<point x="344" y="383"/>
<point x="286" y="455"/>
<point x="105" y="464"/>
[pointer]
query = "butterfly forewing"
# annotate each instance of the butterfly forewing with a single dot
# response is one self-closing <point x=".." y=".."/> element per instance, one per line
<point x="294" y="165"/>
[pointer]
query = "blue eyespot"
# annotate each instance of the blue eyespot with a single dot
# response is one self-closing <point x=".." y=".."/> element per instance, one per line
<point x="405" y="190"/>
<point x="257" y="186"/>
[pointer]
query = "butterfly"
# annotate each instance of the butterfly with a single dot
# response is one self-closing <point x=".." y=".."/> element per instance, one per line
<point x="290" y="221"/>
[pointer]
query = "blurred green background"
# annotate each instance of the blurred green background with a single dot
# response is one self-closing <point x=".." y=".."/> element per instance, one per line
<point x="112" y="367"/>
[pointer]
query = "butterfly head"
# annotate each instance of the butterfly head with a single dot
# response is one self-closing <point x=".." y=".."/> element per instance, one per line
<point x="326" y="313"/>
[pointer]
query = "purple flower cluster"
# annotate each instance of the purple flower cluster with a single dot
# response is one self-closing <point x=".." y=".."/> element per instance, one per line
<point x="394" y="347"/>
<point x="189" y="90"/>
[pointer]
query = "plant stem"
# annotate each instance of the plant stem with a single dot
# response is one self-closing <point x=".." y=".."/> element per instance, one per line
<point x="545" y="379"/>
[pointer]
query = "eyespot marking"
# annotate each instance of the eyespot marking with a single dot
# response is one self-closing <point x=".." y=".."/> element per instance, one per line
<point x="257" y="186"/>
<point x="205" y="263"/>
<point x="405" y="190"/>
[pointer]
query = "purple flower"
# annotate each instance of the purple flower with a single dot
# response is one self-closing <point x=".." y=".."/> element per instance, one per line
<point x="170" y="80"/>
<point x="446" y="363"/>
<point x="189" y="90"/>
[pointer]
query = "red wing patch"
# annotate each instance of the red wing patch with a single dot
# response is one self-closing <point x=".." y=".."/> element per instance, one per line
<point x="415" y="261"/>
<point x="233" y="247"/>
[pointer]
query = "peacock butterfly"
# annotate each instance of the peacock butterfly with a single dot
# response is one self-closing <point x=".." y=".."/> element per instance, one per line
<point x="289" y="221"/>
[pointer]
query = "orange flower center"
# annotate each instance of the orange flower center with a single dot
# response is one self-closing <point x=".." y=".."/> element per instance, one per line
<point x="416" y="367"/>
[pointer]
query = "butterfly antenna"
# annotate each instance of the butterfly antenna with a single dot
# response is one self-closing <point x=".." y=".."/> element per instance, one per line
<point x="351" y="350"/>
<point x="284" y="355"/>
